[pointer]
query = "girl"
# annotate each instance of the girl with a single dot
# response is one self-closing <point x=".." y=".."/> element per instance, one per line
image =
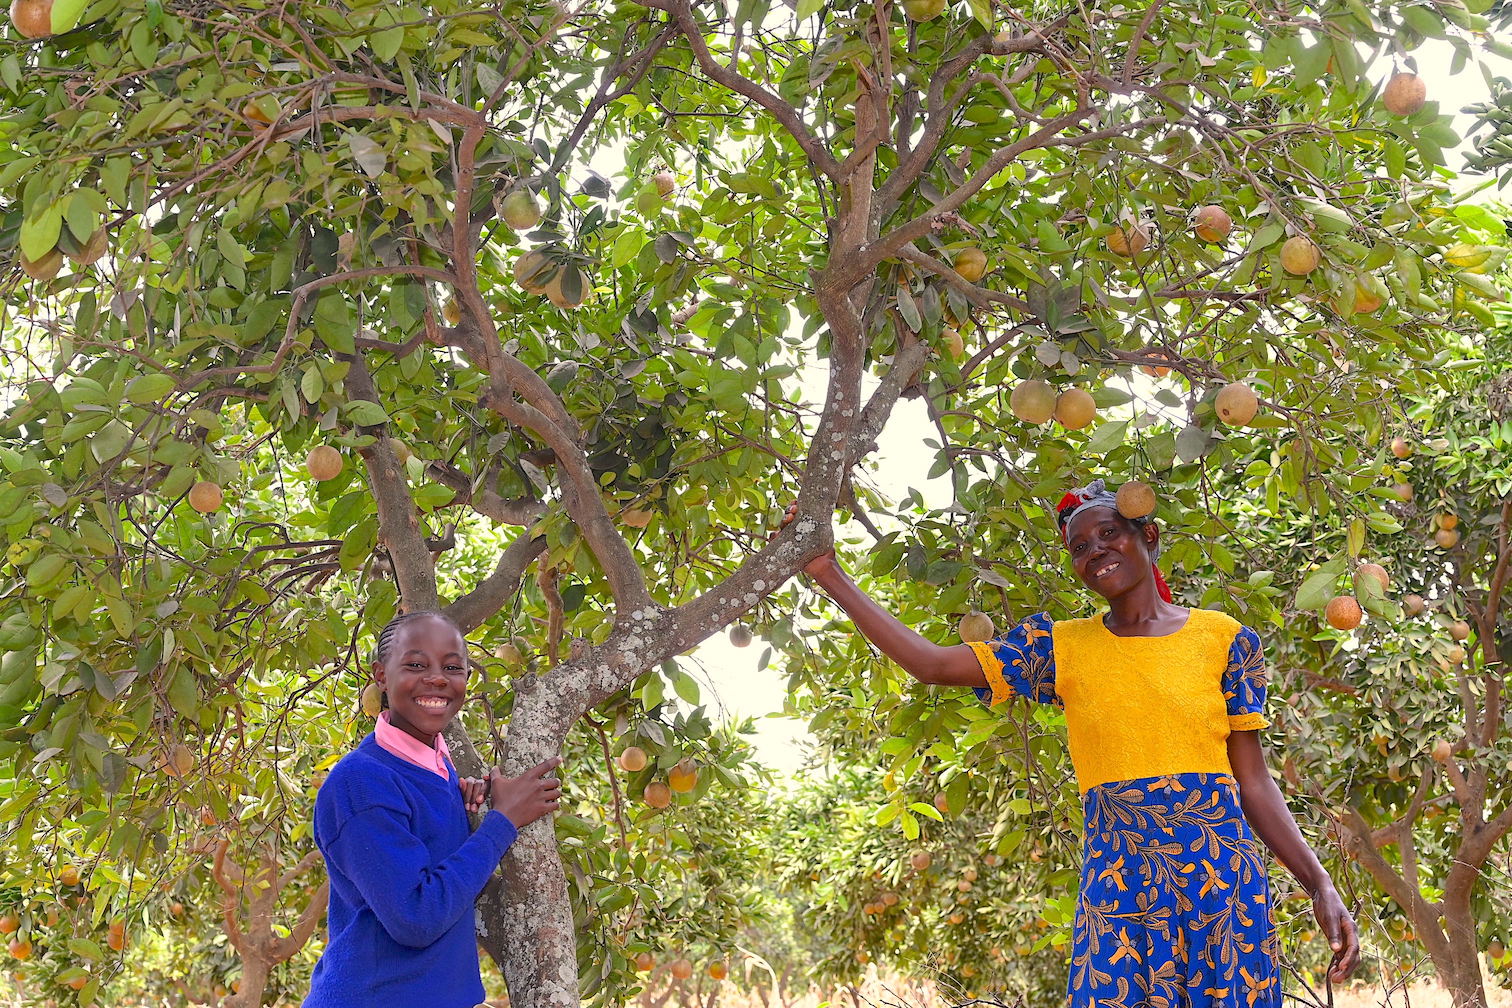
<point x="392" y="825"/>
<point x="1162" y="709"/>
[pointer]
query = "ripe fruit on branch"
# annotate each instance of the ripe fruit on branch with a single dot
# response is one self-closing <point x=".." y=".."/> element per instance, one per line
<point x="1376" y="573"/>
<point x="635" y="517"/>
<point x="567" y="288"/>
<point x="177" y="760"/>
<point x="20" y="949"/>
<point x="1366" y="300"/>
<point x="657" y="795"/>
<point x="92" y="249"/>
<point x="1236" y="404"/>
<point x="970" y="263"/>
<point x="32" y="18"/>
<point x="1443" y="751"/>
<point x="68" y="875"/>
<point x="323" y="463"/>
<point x="681" y="969"/>
<point x="532" y="270"/>
<point x="1413" y="605"/>
<point x="1459" y="630"/>
<point x="1212" y="223"/>
<point x="261" y="110"/>
<point x="644" y="962"/>
<point x="975" y="626"/>
<point x="665" y="183"/>
<point x="1448" y="521"/>
<point x="740" y="635"/>
<point x="1155" y="370"/>
<point x="1343" y="612"/>
<point x="1135" y="499"/>
<point x="1455" y="654"/>
<point x="205" y="497"/>
<point x="509" y="653"/>
<point x="372" y="700"/>
<point x="1129" y="241"/>
<point x="1032" y="401"/>
<point x="451" y="312"/>
<point x="1405" y="93"/>
<point x="9" y="923"/>
<point x="942" y="803"/>
<point x="718" y="970"/>
<point x="1074" y="409"/>
<point x="683" y="777"/>
<point x="1299" y="256"/>
<point x="1446" y="538"/>
<point x="633" y="759"/>
<point x="1400" y="448"/>
<point x="920" y="860"/>
<point x="520" y="210"/>
<point x="955" y="347"/>
<point x="923" y="10"/>
<point x="1403" y="491"/>
<point x="45" y="268"/>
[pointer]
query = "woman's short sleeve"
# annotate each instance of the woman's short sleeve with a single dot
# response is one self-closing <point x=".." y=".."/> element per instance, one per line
<point x="1244" y="682"/>
<point x="1020" y="662"/>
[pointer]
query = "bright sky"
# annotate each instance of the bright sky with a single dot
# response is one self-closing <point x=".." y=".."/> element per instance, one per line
<point x="730" y="674"/>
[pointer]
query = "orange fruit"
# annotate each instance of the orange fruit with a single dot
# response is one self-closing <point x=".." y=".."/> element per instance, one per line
<point x="1212" y="223"/>
<point x="1405" y="93"/>
<point x="683" y="777"/>
<point x="1299" y="256"/>
<point x="633" y="759"/>
<point x="1343" y="612"/>
<point x="1128" y="241"/>
<point x="206" y="497"/>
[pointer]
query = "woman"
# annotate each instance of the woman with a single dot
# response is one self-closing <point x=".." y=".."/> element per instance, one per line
<point x="1163" y="715"/>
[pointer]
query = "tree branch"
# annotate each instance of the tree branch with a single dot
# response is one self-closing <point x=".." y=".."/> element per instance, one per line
<point x="489" y="596"/>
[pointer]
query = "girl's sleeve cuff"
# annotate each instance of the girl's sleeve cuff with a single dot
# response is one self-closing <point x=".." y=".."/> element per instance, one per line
<point x="1251" y="721"/>
<point x="992" y="668"/>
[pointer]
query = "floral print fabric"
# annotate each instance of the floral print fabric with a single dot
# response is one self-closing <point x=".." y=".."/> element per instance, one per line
<point x="1174" y="909"/>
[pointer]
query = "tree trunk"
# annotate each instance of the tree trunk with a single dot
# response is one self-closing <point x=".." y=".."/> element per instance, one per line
<point x="252" y="985"/>
<point x="1459" y="967"/>
<point x="525" y="921"/>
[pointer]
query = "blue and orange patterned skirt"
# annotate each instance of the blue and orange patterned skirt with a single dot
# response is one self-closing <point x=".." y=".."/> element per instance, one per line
<point x="1174" y="909"/>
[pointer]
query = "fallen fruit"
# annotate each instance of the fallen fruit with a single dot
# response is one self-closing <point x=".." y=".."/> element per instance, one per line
<point x="975" y="626"/>
<point x="1129" y="242"/>
<point x="1299" y="256"/>
<point x="1074" y="409"/>
<point x="1343" y="612"/>
<point x="1032" y="401"/>
<point x="1135" y="499"/>
<point x="1236" y="404"/>
<point x="1212" y="223"/>
<point x="1405" y="93"/>
<point x="323" y="463"/>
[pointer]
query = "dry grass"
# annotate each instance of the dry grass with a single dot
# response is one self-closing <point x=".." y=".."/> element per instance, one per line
<point x="892" y="992"/>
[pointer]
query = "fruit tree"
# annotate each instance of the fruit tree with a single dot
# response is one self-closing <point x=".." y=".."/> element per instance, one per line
<point x="243" y="235"/>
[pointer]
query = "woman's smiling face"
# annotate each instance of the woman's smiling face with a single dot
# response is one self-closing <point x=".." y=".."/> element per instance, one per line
<point x="424" y="673"/>
<point x="1110" y="553"/>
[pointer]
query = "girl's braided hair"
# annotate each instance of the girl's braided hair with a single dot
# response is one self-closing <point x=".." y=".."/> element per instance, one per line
<point x="386" y="635"/>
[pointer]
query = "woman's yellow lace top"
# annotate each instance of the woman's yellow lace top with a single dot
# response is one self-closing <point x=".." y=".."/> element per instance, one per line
<point x="1135" y="706"/>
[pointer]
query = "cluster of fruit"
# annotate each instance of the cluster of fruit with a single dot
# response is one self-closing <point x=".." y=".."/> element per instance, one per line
<point x="322" y="463"/>
<point x="681" y="779"/>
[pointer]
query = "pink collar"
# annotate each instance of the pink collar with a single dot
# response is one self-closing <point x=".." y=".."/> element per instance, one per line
<point x="411" y="749"/>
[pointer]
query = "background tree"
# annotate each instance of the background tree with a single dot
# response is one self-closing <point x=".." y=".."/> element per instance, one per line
<point x="348" y="322"/>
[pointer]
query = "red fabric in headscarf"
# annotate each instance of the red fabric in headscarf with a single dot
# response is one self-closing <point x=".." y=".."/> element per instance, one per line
<point x="1072" y="500"/>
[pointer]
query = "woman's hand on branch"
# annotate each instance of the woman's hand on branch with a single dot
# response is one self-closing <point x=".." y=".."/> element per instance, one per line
<point x="820" y="565"/>
<point x="1339" y="928"/>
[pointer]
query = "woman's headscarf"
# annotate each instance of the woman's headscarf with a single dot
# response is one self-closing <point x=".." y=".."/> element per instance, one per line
<point x="1096" y="494"/>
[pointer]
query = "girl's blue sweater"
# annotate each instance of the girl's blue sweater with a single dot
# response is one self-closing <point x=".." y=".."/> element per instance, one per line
<point x="405" y="873"/>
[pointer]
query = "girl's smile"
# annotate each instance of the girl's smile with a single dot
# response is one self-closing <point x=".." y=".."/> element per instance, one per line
<point x="425" y="676"/>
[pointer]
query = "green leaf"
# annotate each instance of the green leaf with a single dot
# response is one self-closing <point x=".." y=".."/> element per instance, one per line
<point x="65" y="14"/>
<point x="39" y="234"/>
<point x="365" y="413"/>
<point x="1320" y="586"/>
<point x="149" y="388"/>
<point x="982" y="11"/>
